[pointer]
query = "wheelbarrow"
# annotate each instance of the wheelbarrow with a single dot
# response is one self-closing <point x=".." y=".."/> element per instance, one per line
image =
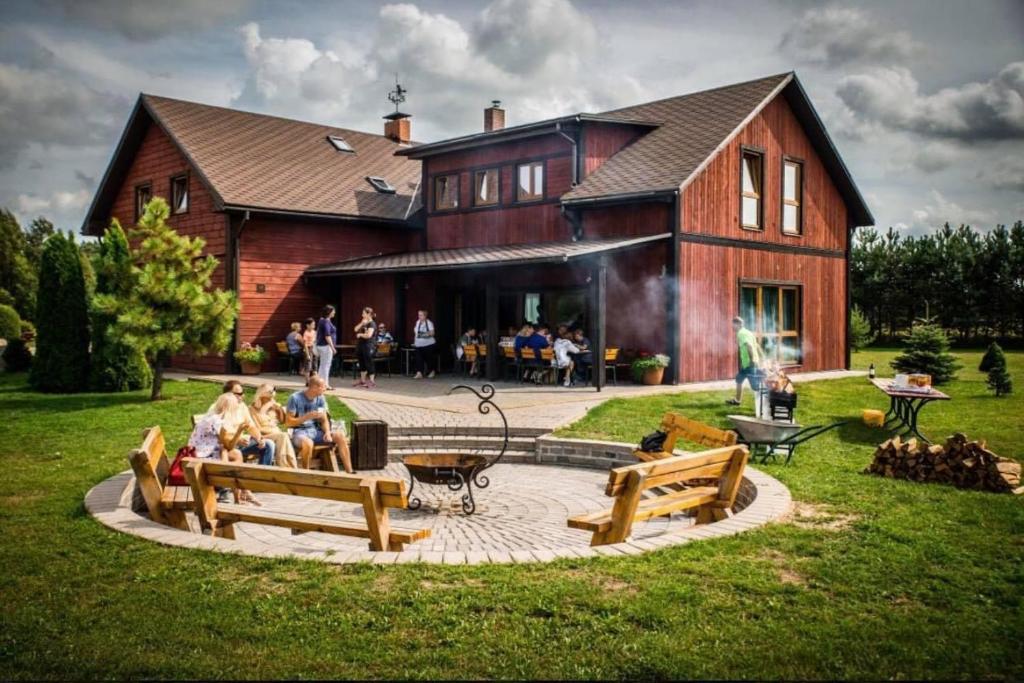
<point x="768" y="438"/>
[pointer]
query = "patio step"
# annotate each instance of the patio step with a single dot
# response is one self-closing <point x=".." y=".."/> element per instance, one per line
<point x="449" y="430"/>
<point x="461" y="443"/>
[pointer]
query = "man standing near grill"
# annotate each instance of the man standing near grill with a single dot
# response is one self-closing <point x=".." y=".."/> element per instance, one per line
<point x="750" y="360"/>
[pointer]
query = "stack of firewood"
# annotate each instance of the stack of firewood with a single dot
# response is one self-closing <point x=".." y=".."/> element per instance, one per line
<point x="962" y="463"/>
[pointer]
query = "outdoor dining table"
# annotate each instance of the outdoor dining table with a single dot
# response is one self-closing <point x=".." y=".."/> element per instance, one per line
<point x="904" y="405"/>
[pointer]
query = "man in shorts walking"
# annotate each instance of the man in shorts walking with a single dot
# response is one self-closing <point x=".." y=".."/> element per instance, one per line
<point x="750" y="360"/>
<point x="307" y="413"/>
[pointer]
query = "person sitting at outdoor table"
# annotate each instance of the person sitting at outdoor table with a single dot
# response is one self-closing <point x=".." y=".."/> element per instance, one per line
<point x="308" y="343"/>
<point x="563" y="347"/>
<point x="584" y="358"/>
<point x="267" y="413"/>
<point x="238" y="416"/>
<point x="750" y="360"/>
<point x="211" y="439"/>
<point x="468" y="338"/>
<point x="535" y="342"/>
<point x="306" y="412"/>
<point x="366" y="349"/>
<point x="294" y="343"/>
<point x="509" y="338"/>
<point x="425" y="344"/>
<point x="383" y="336"/>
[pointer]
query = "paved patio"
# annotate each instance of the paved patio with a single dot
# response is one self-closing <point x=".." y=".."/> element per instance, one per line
<point x="405" y="402"/>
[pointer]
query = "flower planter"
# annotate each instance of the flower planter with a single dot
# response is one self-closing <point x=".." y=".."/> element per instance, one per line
<point x="250" y="368"/>
<point x="653" y="376"/>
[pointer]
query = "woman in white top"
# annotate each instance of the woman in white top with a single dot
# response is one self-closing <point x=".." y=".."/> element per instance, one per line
<point x="562" y="361"/>
<point x="424" y="343"/>
<point x="210" y="438"/>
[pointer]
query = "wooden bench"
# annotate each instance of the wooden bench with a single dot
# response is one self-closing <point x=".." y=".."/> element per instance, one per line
<point x="165" y="504"/>
<point x="679" y="427"/>
<point x="723" y="466"/>
<point x="376" y="495"/>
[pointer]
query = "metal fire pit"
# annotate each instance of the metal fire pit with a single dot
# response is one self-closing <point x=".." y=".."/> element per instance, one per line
<point x="456" y="470"/>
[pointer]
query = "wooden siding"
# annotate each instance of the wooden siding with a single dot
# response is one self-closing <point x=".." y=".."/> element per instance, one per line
<point x="711" y="202"/>
<point x="602" y="140"/>
<point x="276" y="252"/>
<point x="631" y="220"/>
<point x="710" y="278"/>
<point x="636" y="300"/>
<point x="157" y="160"/>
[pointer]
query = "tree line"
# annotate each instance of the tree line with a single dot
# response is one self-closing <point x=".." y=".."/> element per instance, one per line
<point x="971" y="283"/>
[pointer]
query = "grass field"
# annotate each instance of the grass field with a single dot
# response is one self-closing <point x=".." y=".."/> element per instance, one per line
<point x="873" y="579"/>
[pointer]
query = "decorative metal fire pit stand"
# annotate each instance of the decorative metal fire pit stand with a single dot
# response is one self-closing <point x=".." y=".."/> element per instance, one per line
<point x="456" y="470"/>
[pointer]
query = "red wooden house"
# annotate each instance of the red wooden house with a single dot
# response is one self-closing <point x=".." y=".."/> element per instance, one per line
<point x="651" y="226"/>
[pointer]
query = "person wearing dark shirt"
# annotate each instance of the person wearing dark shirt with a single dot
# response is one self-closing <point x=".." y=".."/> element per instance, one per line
<point x="366" y="347"/>
<point x="584" y="359"/>
<point x="326" y="343"/>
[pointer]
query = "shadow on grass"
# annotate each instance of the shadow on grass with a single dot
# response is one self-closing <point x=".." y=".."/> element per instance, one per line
<point x="63" y="403"/>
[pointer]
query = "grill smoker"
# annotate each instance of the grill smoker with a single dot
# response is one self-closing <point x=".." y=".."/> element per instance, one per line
<point x="456" y="470"/>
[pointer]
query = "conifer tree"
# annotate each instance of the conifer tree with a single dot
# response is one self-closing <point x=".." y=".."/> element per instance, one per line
<point x="999" y="379"/>
<point x="115" y="366"/>
<point x="989" y="358"/>
<point x="170" y="306"/>
<point x="61" y="362"/>
<point x="927" y="352"/>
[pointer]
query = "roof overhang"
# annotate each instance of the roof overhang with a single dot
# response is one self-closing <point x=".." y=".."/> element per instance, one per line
<point x="528" y="130"/>
<point x="480" y="257"/>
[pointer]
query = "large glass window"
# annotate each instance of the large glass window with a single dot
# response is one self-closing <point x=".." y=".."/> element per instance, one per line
<point x="751" y="184"/>
<point x="530" y="185"/>
<point x="485" y="187"/>
<point x="446" y="192"/>
<point x="792" y="196"/>
<point x="772" y="312"/>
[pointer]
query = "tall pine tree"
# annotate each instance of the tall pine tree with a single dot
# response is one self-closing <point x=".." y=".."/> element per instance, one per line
<point x="62" y="319"/>
<point x="170" y="306"/>
<point x="115" y="366"/>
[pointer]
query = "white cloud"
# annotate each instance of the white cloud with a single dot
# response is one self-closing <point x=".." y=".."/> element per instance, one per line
<point x="59" y="201"/>
<point x="941" y="210"/>
<point x="526" y="37"/>
<point x="890" y="96"/>
<point x="837" y="36"/>
<point x="143" y="20"/>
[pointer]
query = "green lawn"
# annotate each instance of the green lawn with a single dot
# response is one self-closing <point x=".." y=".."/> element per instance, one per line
<point x="875" y="578"/>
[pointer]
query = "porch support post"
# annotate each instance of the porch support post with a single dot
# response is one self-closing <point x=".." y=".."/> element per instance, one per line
<point x="599" y="289"/>
<point x="398" y="327"/>
<point x="491" y="323"/>
<point x="672" y="293"/>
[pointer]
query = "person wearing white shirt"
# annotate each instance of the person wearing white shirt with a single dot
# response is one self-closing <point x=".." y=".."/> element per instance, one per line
<point x="562" y="361"/>
<point x="424" y="343"/>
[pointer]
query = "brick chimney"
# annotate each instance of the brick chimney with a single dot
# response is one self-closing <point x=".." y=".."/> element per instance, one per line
<point x="494" y="117"/>
<point x="397" y="127"/>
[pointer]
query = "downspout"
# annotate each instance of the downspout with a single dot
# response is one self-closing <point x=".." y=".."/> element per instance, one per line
<point x="672" y="291"/>
<point x="236" y="255"/>
<point x="850" y="228"/>
<point x="573" y="216"/>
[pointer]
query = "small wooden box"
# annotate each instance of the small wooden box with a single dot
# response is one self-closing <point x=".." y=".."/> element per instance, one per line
<point x="919" y="380"/>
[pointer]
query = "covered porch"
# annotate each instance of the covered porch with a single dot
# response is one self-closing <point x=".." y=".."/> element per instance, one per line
<point x="615" y="290"/>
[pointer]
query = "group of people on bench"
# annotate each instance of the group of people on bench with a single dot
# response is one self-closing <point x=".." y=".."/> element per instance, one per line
<point x="231" y="430"/>
<point x="571" y="352"/>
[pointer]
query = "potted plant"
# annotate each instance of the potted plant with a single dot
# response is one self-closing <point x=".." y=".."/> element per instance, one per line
<point x="650" y="369"/>
<point x="251" y="358"/>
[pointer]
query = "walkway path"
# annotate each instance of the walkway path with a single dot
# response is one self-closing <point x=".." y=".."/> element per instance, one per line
<point x="405" y="402"/>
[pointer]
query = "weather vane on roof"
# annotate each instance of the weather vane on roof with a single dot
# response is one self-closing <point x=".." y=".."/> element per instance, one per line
<point x="397" y="96"/>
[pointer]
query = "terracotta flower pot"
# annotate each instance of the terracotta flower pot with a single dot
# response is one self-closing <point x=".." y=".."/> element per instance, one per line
<point x="250" y="368"/>
<point x="653" y="376"/>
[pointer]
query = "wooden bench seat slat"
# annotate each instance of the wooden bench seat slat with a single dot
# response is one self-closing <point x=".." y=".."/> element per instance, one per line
<point x="176" y="498"/>
<point x="296" y="489"/>
<point x="649" y="507"/>
<point x="242" y="513"/>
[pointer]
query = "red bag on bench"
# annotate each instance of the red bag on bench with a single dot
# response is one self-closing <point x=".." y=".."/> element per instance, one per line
<point x="176" y="475"/>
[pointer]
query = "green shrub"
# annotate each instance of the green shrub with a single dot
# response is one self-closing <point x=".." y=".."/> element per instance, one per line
<point x="17" y="357"/>
<point x="115" y="365"/>
<point x="10" y="323"/>
<point x="642" y="365"/>
<point x="927" y="352"/>
<point x="860" y="330"/>
<point x="999" y="379"/>
<point x="61" y="363"/>
<point x="993" y="352"/>
<point x="28" y="330"/>
<point x="251" y="354"/>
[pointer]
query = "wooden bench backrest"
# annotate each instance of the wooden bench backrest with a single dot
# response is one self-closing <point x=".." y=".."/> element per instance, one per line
<point x="718" y="463"/>
<point x="282" y="348"/>
<point x="469" y="352"/>
<point x="611" y="354"/>
<point x="150" y="465"/>
<point x="681" y="427"/>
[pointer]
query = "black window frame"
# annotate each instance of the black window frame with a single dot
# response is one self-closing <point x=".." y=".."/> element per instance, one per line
<point x="344" y="146"/>
<point x="380" y="184"/>
<point x="140" y="207"/>
<point x="542" y="163"/>
<point x="458" y="191"/>
<point x="760" y="154"/>
<point x="188" y="193"/>
<point x="497" y="186"/>
<point x="799" y="163"/>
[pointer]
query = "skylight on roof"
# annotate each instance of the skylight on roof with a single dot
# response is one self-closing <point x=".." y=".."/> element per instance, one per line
<point x="340" y="144"/>
<point x="380" y="184"/>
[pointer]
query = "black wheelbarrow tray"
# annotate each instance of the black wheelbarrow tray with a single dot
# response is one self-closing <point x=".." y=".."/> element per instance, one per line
<point x="768" y="438"/>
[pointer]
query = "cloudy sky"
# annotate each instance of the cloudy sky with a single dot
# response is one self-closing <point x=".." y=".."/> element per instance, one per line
<point x="925" y="100"/>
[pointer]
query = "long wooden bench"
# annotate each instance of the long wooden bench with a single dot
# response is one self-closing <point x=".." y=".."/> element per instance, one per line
<point x="678" y="427"/>
<point x="722" y="466"/>
<point x="165" y="504"/>
<point x="375" y="494"/>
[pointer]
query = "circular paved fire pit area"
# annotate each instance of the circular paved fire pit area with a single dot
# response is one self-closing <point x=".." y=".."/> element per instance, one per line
<point x="520" y="518"/>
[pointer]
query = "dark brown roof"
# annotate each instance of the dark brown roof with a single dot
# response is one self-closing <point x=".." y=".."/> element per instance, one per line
<point x="692" y="129"/>
<point x="501" y="255"/>
<point x="260" y="162"/>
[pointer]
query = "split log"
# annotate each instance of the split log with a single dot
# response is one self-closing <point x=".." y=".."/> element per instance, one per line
<point x="960" y="462"/>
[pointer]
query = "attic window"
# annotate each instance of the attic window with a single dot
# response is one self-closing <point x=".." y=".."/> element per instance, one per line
<point x="380" y="184"/>
<point x="340" y="144"/>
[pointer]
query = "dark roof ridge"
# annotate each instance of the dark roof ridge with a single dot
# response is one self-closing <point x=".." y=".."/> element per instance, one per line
<point x="146" y="95"/>
<point x="782" y="74"/>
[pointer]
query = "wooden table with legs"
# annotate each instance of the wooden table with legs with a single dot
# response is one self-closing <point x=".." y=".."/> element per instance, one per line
<point x="904" y="406"/>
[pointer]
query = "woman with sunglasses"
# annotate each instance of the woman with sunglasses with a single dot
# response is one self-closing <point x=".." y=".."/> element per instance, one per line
<point x="212" y="439"/>
<point x="267" y="413"/>
<point x="238" y="416"/>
